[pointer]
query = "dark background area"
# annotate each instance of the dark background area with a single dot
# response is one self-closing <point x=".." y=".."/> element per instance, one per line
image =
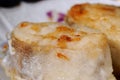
<point x="13" y="3"/>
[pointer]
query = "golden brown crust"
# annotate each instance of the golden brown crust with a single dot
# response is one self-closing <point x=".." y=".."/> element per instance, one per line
<point x="105" y="18"/>
<point x="90" y="12"/>
<point x="43" y="47"/>
<point x="24" y="24"/>
<point x="62" y="56"/>
<point x="21" y="47"/>
<point x="64" y="29"/>
<point x="78" y="10"/>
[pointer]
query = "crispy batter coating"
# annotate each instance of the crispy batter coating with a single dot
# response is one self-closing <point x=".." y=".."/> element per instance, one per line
<point x="104" y="18"/>
<point x="53" y="51"/>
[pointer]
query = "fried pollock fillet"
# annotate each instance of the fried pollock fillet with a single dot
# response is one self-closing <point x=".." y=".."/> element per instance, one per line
<point x="52" y="51"/>
<point x="104" y="18"/>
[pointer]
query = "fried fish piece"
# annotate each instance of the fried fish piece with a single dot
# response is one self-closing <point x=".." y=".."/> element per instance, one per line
<point x="53" y="51"/>
<point x="101" y="17"/>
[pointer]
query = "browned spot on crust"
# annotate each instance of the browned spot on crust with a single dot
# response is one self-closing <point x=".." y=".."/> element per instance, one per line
<point x="51" y="35"/>
<point x="24" y="24"/>
<point x="5" y="48"/>
<point x="35" y="28"/>
<point x="62" y="56"/>
<point x="64" y="29"/>
<point x="77" y="35"/>
<point x="76" y="39"/>
<point x="108" y="8"/>
<point x="62" y="41"/>
<point x="64" y="38"/>
<point x="21" y="47"/>
<point x="77" y="11"/>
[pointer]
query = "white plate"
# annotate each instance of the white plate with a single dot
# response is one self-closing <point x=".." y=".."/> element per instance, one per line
<point x="36" y="12"/>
